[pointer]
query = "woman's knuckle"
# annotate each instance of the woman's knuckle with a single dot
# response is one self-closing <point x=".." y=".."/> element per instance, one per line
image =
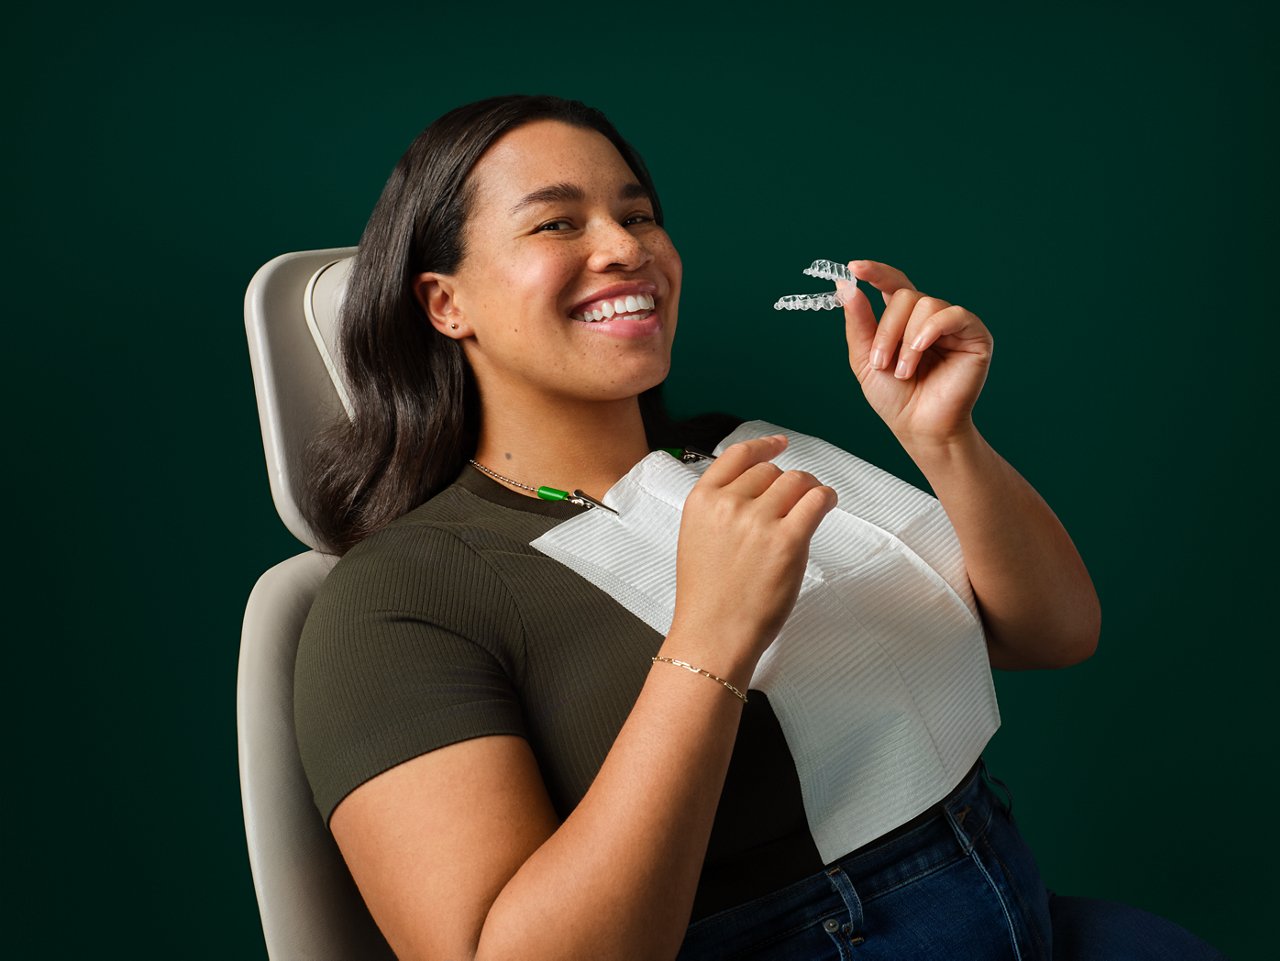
<point x="765" y="475"/>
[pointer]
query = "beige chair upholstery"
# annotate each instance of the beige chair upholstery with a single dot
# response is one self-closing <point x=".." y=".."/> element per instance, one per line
<point x="291" y="315"/>
<point x="311" y="910"/>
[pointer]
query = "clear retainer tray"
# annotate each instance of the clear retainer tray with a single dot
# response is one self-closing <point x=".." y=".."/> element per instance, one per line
<point x="823" y="270"/>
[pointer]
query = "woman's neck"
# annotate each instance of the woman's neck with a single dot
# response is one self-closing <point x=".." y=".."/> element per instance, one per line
<point x="588" y="448"/>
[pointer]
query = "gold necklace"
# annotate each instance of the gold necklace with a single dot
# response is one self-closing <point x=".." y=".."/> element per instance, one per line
<point x="577" y="497"/>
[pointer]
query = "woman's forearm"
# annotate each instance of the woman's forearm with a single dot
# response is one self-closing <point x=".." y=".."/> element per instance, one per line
<point x="1038" y="602"/>
<point x="617" y="879"/>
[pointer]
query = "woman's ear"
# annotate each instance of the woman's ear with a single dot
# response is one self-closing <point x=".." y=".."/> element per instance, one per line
<point x="435" y="294"/>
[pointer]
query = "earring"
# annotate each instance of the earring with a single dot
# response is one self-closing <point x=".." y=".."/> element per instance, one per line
<point x="453" y="326"/>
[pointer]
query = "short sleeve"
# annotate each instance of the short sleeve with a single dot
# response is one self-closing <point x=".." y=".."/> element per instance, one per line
<point x="413" y="643"/>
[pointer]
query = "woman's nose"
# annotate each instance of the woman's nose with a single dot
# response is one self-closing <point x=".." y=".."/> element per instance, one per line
<point x="614" y="247"/>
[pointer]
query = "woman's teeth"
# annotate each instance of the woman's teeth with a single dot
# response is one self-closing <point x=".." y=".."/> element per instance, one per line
<point x="621" y="308"/>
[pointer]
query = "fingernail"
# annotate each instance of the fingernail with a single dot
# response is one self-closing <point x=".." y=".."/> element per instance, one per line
<point x="902" y="369"/>
<point x="844" y="291"/>
<point x="878" y="359"/>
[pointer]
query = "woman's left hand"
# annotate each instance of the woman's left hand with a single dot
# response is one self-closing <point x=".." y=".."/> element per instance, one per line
<point x="923" y="365"/>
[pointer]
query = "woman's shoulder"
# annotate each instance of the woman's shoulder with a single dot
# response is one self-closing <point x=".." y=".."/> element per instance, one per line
<point x="426" y="552"/>
<point x="422" y="583"/>
<point x="413" y="642"/>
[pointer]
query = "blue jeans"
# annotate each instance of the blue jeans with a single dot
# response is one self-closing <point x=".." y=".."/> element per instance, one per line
<point x="962" y="886"/>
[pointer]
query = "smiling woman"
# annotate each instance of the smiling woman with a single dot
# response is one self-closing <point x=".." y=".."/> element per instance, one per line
<point x="516" y="765"/>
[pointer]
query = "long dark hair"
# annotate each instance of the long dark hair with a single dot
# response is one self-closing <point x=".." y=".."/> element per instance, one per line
<point x="415" y="417"/>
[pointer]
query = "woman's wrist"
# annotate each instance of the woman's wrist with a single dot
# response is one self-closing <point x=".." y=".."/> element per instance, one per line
<point x="714" y="650"/>
<point x="937" y="453"/>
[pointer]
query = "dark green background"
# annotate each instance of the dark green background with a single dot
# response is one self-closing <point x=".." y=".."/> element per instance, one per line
<point x="1096" y="183"/>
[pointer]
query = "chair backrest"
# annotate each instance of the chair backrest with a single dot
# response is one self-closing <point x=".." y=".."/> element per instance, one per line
<point x="311" y="910"/>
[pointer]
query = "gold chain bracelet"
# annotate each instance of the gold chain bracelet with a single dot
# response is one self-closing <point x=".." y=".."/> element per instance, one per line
<point x="697" y="670"/>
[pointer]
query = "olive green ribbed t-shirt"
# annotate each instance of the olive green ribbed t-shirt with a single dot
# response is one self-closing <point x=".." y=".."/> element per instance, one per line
<point x="446" y="625"/>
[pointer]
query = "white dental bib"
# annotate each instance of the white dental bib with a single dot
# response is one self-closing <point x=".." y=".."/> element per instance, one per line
<point x="879" y="678"/>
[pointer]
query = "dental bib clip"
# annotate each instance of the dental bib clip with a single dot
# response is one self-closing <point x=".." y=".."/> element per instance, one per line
<point x="823" y="270"/>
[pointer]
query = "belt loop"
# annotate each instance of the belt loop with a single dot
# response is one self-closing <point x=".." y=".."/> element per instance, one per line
<point x="956" y="820"/>
<point x="844" y="887"/>
<point x="992" y="779"/>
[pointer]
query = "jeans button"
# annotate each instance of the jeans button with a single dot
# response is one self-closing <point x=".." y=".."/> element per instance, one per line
<point x="831" y="925"/>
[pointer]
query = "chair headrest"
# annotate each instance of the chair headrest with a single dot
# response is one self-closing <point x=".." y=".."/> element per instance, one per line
<point x="322" y="304"/>
<point x="291" y="316"/>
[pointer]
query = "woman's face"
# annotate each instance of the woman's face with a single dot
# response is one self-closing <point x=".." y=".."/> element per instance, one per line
<point x="560" y="233"/>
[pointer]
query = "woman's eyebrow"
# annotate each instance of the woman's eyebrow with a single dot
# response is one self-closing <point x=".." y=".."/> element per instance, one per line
<point x="572" y="193"/>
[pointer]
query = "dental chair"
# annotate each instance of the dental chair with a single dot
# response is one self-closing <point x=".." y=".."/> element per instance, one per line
<point x="311" y="910"/>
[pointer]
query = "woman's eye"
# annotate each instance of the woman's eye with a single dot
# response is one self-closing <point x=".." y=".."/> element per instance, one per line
<point x="562" y="224"/>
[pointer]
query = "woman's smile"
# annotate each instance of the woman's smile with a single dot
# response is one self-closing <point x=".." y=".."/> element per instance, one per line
<point x="621" y="301"/>
<point x="621" y="310"/>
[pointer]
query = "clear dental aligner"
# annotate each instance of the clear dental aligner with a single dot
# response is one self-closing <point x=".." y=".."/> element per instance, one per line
<point x="828" y="270"/>
<point x="808" y="302"/>
<point x="823" y="270"/>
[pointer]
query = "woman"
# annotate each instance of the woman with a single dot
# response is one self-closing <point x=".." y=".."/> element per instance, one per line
<point x="506" y="769"/>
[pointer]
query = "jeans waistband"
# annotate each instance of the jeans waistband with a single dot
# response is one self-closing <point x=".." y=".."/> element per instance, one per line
<point x="941" y="835"/>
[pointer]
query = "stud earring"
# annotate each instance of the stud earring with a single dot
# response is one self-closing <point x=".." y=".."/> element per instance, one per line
<point x="453" y="326"/>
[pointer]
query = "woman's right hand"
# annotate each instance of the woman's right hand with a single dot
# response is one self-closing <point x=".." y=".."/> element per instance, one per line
<point x="744" y="542"/>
